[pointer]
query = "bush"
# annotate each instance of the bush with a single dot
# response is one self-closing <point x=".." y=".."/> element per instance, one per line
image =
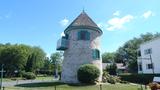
<point x="138" y="78"/>
<point x="105" y="76"/>
<point x="28" y="75"/>
<point x="110" y="79"/>
<point x="88" y="73"/>
<point x="112" y="69"/>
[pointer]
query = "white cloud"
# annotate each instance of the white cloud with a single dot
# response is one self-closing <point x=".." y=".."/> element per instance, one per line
<point x="48" y="55"/>
<point x="64" y="22"/>
<point x="102" y="25"/>
<point x="62" y="34"/>
<point x="147" y="14"/>
<point x="117" y="13"/>
<point x="118" y="23"/>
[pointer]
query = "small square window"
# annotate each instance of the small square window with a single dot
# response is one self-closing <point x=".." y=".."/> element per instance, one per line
<point x="149" y="66"/>
<point x="148" y="51"/>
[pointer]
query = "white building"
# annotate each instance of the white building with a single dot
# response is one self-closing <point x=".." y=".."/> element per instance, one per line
<point x="81" y="45"/>
<point x="149" y="57"/>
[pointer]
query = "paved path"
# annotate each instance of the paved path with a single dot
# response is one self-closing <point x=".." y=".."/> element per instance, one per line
<point x="12" y="83"/>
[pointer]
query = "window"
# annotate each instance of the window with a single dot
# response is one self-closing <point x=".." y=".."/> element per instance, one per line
<point x="148" y="51"/>
<point x="139" y="53"/>
<point x="149" y="66"/>
<point x="95" y="54"/>
<point x="83" y="35"/>
<point x="140" y="67"/>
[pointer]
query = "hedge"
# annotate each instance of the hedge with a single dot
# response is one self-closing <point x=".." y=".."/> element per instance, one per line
<point x="28" y="75"/>
<point x="88" y="73"/>
<point x="138" y="78"/>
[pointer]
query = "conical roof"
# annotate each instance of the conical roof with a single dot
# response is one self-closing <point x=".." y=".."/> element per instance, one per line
<point x="83" y="21"/>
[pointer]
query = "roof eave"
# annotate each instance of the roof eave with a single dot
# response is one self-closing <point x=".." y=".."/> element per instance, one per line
<point x="83" y="27"/>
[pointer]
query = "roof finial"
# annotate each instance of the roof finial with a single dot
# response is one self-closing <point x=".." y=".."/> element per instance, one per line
<point x="83" y="10"/>
<point x="84" y="7"/>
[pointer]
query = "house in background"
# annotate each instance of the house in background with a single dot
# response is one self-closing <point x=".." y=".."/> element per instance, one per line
<point x="149" y="57"/>
<point x="121" y="68"/>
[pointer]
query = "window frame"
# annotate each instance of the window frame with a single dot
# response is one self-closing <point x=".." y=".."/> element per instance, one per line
<point x="95" y="54"/>
<point x="83" y="35"/>
<point x="150" y="66"/>
<point x="148" y="51"/>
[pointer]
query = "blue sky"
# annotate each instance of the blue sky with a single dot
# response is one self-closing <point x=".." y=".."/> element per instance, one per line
<point x="41" y="22"/>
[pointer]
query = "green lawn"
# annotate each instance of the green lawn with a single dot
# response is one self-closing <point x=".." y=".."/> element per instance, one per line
<point x="44" y="78"/>
<point x="60" y="86"/>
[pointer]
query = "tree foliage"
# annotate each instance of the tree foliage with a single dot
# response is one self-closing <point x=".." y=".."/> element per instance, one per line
<point x="56" y="60"/>
<point x="108" y="57"/>
<point x="56" y="57"/>
<point x="35" y="59"/>
<point x="20" y="57"/>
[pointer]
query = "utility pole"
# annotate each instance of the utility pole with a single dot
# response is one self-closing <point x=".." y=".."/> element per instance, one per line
<point x="1" y="75"/>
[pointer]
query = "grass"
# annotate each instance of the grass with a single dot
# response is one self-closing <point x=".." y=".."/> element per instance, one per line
<point x="62" y="86"/>
<point x="44" y="78"/>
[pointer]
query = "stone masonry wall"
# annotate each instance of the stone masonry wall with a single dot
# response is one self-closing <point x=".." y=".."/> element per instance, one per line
<point x="79" y="53"/>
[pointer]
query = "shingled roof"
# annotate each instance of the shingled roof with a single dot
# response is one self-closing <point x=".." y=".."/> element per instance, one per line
<point x="83" y="20"/>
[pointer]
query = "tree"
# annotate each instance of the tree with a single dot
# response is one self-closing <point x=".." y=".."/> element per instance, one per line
<point x="108" y="57"/>
<point x="47" y="64"/>
<point x="14" y="57"/>
<point x="35" y="59"/>
<point x="112" y="69"/>
<point x="20" y="57"/>
<point x="56" y="59"/>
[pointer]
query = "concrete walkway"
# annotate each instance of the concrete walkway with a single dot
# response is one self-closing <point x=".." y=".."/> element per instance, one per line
<point x="13" y="83"/>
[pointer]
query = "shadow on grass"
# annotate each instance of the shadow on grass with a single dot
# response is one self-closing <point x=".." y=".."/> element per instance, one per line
<point x="81" y="84"/>
<point x="41" y="84"/>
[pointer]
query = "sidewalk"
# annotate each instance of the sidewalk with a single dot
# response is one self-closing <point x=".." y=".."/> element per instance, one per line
<point x="13" y="83"/>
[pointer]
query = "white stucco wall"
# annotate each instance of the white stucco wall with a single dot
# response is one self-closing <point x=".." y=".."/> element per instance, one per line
<point x="155" y="55"/>
<point x="79" y="53"/>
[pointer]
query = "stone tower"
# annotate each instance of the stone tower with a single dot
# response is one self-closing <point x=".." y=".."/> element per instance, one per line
<point x="81" y="45"/>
